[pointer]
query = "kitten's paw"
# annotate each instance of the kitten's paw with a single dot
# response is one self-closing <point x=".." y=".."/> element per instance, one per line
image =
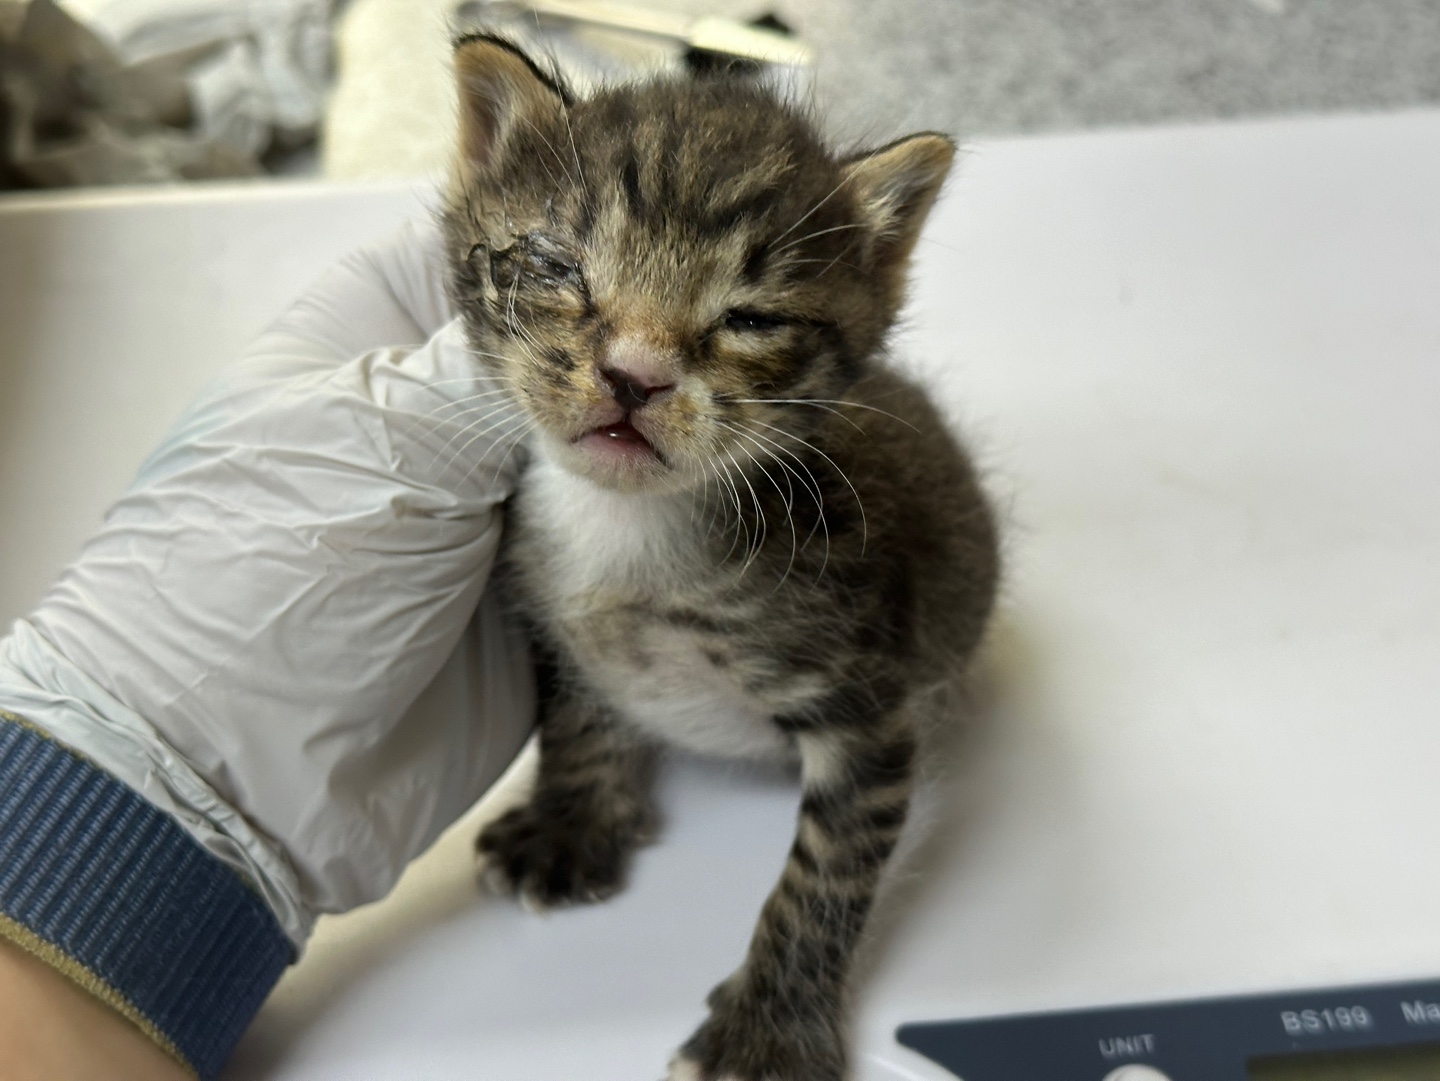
<point x="735" y="1045"/>
<point x="685" y="1068"/>
<point x="547" y="862"/>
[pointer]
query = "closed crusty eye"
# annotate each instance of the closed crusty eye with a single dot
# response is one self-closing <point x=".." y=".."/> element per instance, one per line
<point x="549" y="267"/>
<point x="536" y="259"/>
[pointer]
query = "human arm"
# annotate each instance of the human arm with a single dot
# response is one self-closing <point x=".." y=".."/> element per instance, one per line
<point x="51" y="1030"/>
<point x="273" y="644"/>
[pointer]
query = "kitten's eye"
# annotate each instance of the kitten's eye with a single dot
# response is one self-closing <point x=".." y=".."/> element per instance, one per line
<point x="748" y="322"/>
<point x="548" y="267"/>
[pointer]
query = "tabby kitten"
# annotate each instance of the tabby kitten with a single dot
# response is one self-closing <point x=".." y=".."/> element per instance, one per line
<point x="738" y="530"/>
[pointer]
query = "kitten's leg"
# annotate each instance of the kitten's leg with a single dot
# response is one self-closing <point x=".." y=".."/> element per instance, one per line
<point x="590" y="810"/>
<point x="781" y="1016"/>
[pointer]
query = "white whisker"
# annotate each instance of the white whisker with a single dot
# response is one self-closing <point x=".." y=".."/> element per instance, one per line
<point x="479" y="416"/>
<point x="797" y="401"/>
<point x="553" y="153"/>
<point x="483" y="353"/>
<point x="697" y="510"/>
<point x="864" y="523"/>
<point x="488" y="377"/>
<point x="740" y="522"/>
<point x="812" y="236"/>
<point x="812" y="486"/>
<point x="803" y="217"/>
<point x="504" y="435"/>
<point x="525" y="429"/>
<point x="789" y="516"/>
<point x="497" y="392"/>
<point x="761" y="527"/>
<point x="569" y="130"/>
<point x="527" y="340"/>
<point x="820" y="403"/>
<point x="479" y="435"/>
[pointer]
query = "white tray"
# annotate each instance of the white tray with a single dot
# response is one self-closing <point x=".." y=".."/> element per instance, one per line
<point x="1202" y="366"/>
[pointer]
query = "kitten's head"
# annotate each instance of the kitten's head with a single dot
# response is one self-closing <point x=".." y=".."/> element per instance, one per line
<point x="652" y="268"/>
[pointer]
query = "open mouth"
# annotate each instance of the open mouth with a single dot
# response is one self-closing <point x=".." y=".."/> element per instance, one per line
<point x="618" y="441"/>
<point x="623" y="433"/>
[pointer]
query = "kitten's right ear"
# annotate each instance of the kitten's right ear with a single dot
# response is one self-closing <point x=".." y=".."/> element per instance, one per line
<point x="500" y="88"/>
<point x="895" y="187"/>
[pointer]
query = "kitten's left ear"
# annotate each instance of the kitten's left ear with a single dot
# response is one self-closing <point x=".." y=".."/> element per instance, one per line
<point x="894" y="188"/>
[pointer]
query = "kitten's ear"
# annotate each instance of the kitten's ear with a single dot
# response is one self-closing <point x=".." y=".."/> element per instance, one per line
<point x="500" y="88"/>
<point x="894" y="188"/>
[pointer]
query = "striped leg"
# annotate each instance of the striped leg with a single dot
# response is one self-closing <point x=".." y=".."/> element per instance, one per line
<point x="781" y="1016"/>
<point x="590" y="810"/>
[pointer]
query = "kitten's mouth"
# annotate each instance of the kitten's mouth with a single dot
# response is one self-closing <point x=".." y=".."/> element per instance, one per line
<point x="620" y="441"/>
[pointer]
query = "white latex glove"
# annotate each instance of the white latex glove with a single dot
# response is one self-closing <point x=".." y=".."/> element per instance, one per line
<point x="275" y="635"/>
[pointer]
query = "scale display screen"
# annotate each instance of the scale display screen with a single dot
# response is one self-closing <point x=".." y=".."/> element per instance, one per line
<point x="1376" y="1032"/>
<point x="1371" y="1064"/>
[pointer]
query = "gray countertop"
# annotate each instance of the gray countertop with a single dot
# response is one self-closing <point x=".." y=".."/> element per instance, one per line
<point x="972" y="68"/>
<point x="991" y="66"/>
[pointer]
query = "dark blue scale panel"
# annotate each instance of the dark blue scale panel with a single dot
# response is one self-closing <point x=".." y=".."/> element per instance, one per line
<point x="1200" y="1040"/>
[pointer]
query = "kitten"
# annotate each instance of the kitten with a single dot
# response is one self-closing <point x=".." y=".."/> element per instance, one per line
<point x="738" y="530"/>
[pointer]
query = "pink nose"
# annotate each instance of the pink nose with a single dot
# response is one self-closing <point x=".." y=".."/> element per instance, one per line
<point x="632" y="389"/>
<point x="635" y="367"/>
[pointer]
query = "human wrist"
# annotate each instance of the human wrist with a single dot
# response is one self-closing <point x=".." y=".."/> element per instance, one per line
<point x="51" y="1030"/>
<point x="117" y="899"/>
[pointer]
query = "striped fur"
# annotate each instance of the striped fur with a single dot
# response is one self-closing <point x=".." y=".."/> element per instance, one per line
<point x="802" y="555"/>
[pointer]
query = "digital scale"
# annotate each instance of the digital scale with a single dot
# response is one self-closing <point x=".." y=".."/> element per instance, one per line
<point x="1389" y="1032"/>
<point x="1193" y="829"/>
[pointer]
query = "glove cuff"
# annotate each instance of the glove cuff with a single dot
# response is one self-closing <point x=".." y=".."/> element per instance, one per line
<point x="115" y="895"/>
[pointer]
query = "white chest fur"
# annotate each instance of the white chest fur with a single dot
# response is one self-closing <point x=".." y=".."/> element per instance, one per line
<point x="602" y="539"/>
<point x="616" y="564"/>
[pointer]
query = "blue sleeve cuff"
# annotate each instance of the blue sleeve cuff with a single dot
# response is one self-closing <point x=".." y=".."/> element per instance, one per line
<point x="113" y="893"/>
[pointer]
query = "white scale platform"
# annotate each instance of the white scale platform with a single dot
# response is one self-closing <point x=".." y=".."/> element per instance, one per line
<point x="1202" y="368"/>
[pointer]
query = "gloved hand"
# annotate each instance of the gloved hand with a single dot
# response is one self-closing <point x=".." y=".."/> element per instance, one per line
<point x="274" y="637"/>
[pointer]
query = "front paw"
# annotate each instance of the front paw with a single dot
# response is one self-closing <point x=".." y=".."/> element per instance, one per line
<point x="548" y="860"/>
<point x="744" y="1042"/>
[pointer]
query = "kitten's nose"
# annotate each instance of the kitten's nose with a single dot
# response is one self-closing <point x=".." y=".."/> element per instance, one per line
<point x="632" y="389"/>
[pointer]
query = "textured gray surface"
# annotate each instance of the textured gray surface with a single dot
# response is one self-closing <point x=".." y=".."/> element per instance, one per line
<point x="969" y="67"/>
<point x="987" y="66"/>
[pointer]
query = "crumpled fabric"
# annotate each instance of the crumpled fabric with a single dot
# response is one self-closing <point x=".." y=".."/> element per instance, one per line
<point x="269" y="66"/>
<point x="141" y="91"/>
<point x="281" y="634"/>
